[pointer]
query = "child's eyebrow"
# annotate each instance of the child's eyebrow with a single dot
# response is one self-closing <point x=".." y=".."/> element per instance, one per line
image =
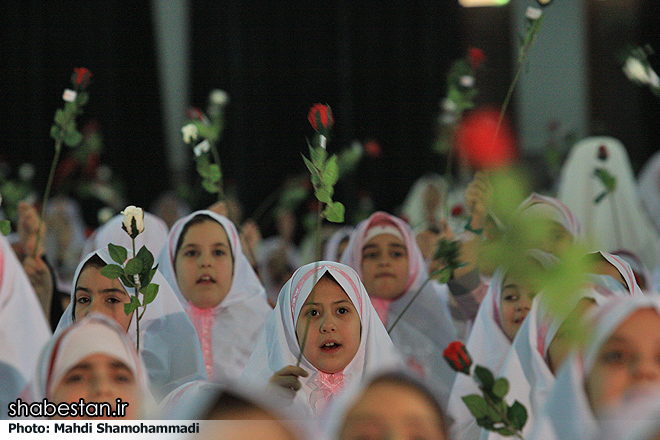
<point x="367" y="246"/>
<point x="398" y="245"/>
<point x="341" y="301"/>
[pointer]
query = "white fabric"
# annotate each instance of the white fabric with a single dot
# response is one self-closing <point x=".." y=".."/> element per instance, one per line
<point x="649" y="188"/>
<point x="332" y="245"/>
<point x="278" y="345"/>
<point x="619" y="221"/>
<point x="426" y="328"/>
<point x="23" y="329"/>
<point x="95" y="334"/>
<point x="567" y="412"/>
<point x="168" y="343"/>
<point x="539" y="206"/>
<point x="526" y="365"/>
<point x="636" y="418"/>
<point x="416" y="213"/>
<point x="228" y="331"/>
<point x="154" y="235"/>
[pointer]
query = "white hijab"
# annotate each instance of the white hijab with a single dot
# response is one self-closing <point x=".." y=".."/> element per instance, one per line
<point x="227" y="332"/>
<point x="23" y="329"/>
<point x="426" y="328"/>
<point x="168" y="343"/>
<point x="619" y="221"/>
<point x="278" y="344"/>
<point x="649" y="188"/>
<point x="567" y="412"/>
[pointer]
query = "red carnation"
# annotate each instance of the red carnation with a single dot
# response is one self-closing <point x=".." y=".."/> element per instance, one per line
<point x="320" y="116"/>
<point x="80" y="78"/>
<point x="476" y="57"/>
<point x="477" y="143"/>
<point x="457" y="357"/>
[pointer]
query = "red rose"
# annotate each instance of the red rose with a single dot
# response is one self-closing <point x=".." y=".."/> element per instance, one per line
<point x="457" y="210"/>
<point x="80" y="78"/>
<point x="476" y="57"/>
<point x="320" y="116"/>
<point x="372" y="149"/>
<point x="476" y="141"/>
<point x="457" y="357"/>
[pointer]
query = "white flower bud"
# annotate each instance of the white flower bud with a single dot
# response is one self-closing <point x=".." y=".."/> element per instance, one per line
<point x="466" y="80"/>
<point x="133" y="213"/>
<point x="190" y="133"/>
<point x="448" y="105"/>
<point x="26" y="172"/>
<point x="219" y="97"/>
<point x="69" y="95"/>
<point x="533" y="13"/>
<point x="636" y="71"/>
<point x="201" y="148"/>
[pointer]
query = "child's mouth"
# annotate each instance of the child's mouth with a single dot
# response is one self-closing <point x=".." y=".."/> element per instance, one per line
<point x="330" y="347"/>
<point x="205" y="279"/>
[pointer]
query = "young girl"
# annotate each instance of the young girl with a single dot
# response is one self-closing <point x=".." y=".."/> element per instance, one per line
<point x="383" y="251"/>
<point x="94" y="360"/>
<point x="323" y="311"/>
<point x="387" y="405"/>
<point x="500" y="315"/>
<point x="620" y="361"/>
<point x="168" y="341"/>
<point x="23" y="329"/>
<point x="218" y="288"/>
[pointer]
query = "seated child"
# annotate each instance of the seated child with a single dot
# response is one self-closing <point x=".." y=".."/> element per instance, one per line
<point x="323" y="311"/>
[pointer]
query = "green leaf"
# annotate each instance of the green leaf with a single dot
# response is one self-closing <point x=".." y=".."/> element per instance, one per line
<point x="476" y="404"/>
<point x="146" y="278"/>
<point x="5" y="227"/>
<point x="318" y="155"/>
<point x="131" y="306"/>
<point x="214" y="173"/>
<point x="334" y="212"/>
<point x="133" y="267"/>
<point x="442" y="275"/>
<point x="127" y="281"/>
<point x="82" y="98"/>
<point x="506" y="432"/>
<point x="150" y="291"/>
<point x="146" y="257"/>
<point x="72" y="138"/>
<point x="517" y="414"/>
<point x="60" y="117"/>
<point x="203" y="165"/>
<point x="55" y="131"/>
<point x="112" y="271"/>
<point x="331" y="171"/>
<point x="118" y="253"/>
<point x="310" y="166"/>
<point x="210" y="186"/>
<point x="501" y="387"/>
<point x="485" y="377"/>
<point x="324" y="194"/>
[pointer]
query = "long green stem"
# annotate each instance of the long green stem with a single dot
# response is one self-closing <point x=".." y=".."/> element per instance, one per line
<point x="51" y="176"/>
<point x="503" y="414"/>
<point x="398" y="318"/>
<point x="216" y="160"/>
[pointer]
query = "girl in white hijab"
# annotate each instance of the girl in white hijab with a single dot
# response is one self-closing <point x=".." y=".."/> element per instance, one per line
<point x="217" y="286"/>
<point x="344" y="338"/>
<point x="23" y="329"/>
<point x="618" y="221"/>
<point x="94" y="360"/>
<point x="619" y="362"/>
<point x="383" y="251"/>
<point x="168" y="342"/>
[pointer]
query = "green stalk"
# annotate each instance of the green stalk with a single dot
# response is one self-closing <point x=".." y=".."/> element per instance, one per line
<point x="51" y="176"/>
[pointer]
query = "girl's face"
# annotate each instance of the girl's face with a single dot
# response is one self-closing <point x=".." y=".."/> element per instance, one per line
<point x="96" y="293"/>
<point x="204" y="265"/>
<point x="566" y="336"/>
<point x="556" y="240"/>
<point x="515" y="303"/>
<point x="629" y="360"/>
<point x="333" y="337"/>
<point x="100" y="378"/>
<point x="385" y="266"/>
<point x="389" y="410"/>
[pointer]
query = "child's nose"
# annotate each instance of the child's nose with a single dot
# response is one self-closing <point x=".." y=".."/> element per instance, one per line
<point x="647" y="369"/>
<point x="328" y="326"/>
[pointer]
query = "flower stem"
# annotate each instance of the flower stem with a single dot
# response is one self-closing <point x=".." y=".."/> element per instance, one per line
<point x="505" y="418"/>
<point x="51" y="176"/>
<point x="408" y="305"/>
<point x="216" y="159"/>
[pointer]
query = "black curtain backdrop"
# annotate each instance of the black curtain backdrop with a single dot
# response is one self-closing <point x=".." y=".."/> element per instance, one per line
<point x="379" y="65"/>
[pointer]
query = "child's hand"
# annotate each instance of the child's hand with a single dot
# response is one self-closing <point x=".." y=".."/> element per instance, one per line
<point x="287" y="379"/>
<point x="477" y="198"/>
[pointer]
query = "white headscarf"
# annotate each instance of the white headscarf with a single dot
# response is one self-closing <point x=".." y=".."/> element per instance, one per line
<point x="649" y="188"/>
<point x="332" y="245"/>
<point x="426" y="328"/>
<point x="619" y="220"/>
<point x="567" y="412"/>
<point x="94" y="334"/>
<point x="414" y="205"/>
<point x="153" y="237"/>
<point x="23" y="329"/>
<point x="228" y="331"/>
<point x="168" y="342"/>
<point x="540" y="206"/>
<point x="278" y="344"/>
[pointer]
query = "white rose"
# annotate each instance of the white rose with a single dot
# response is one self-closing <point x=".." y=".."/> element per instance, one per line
<point x="133" y="213"/>
<point x="636" y="71"/>
<point x="219" y="97"/>
<point x="69" y="95"/>
<point x="26" y="172"/>
<point x="201" y="148"/>
<point x="189" y="133"/>
<point x="533" y="13"/>
<point x="448" y="105"/>
<point x="654" y="81"/>
<point x="466" y="80"/>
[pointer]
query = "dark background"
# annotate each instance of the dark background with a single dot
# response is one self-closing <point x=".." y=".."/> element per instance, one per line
<point x="380" y="65"/>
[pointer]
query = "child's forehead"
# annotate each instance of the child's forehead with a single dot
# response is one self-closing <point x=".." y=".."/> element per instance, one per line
<point x="327" y="290"/>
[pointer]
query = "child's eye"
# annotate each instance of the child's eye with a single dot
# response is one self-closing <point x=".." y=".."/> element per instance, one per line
<point x="313" y="312"/>
<point x="614" y="357"/>
<point x="190" y="253"/>
<point x="511" y="297"/>
<point x="398" y="254"/>
<point x="73" y="378"/>
<point x="82" y="300"/>
<point x="124" y="378"/>
<point x="370" y="256"/>
<point x="113" y="300"/>
<point x="342" y="310"/>
<point x="219" y="252"/>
